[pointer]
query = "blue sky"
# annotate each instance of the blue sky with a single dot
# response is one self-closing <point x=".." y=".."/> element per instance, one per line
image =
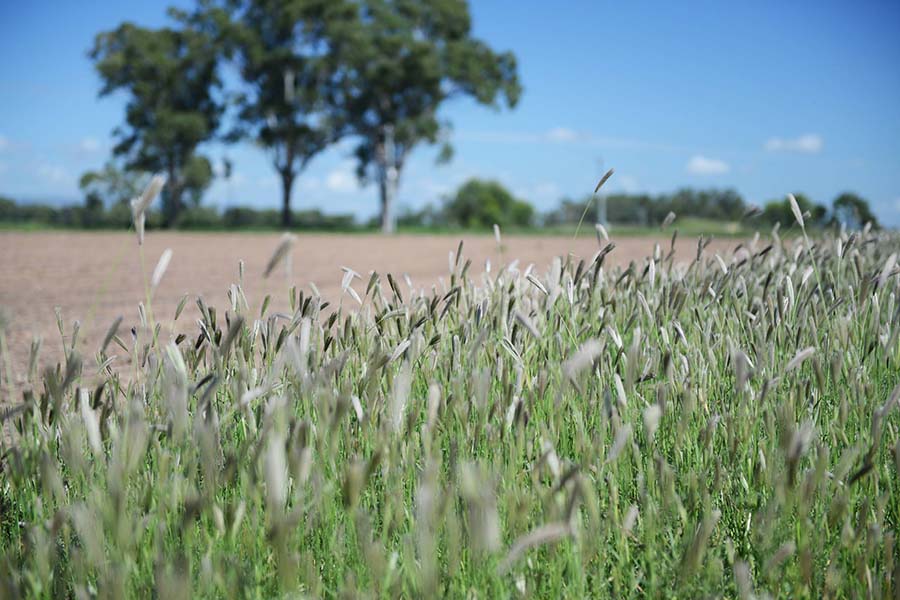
<point x="767" y="97"/>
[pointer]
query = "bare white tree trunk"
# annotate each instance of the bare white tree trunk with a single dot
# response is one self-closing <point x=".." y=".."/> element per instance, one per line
<point x="388" y="181"/>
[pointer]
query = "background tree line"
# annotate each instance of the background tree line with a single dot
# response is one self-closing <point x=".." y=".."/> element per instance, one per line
<point x="719" y="205"/>
<point x="476" y="204"/>
<point x="311" y="73"/>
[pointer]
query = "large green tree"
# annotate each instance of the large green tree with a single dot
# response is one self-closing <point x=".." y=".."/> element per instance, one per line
<point x="289" y="56"/>
<point x="403" y="59"/>
<point x="481" y="204"/>
<point x="780" y="211"/>
<point x="171" y="80"/>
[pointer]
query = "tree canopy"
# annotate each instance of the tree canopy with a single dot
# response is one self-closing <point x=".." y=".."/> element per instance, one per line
<point x="171" y="80"/>
<point x="404" y="59"/>
<point x="288" y="55"/>
<point x="481" y="204"/>
<point x="779" y="211"/>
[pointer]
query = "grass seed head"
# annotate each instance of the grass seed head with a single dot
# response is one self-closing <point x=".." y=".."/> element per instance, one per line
<point x="281" y="252"/>
<point x="161" y="267"/>
<point x="140" y="204"/>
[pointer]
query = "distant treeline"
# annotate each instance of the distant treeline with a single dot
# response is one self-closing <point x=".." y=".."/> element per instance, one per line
<point x="713" y="204"/>
<point x="480" y="204"/>
<point x="118" y="216"/>
<point x="476" y="204"/>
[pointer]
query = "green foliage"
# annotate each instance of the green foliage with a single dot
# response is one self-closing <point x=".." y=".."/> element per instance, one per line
<point x="170" y="79"/>
<point x="249" y="218"/>
<point x="404" y="59"/>
<point x="659" y="430"/>
<point x="9" y="210"/>
<point x="480" y="204"/>
<point x="194" y="216"/>
<point x="111" y="185"/>
<point x="643" y="209"/>
<point x="90" y="216"/>
<point x="198" y="217"/>
<point x="290" y="69"/>
<point x="779" y="211"/>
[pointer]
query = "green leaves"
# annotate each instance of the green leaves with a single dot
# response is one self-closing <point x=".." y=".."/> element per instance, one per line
<point x="404" y="59"/>
<point x="170" y="77"/>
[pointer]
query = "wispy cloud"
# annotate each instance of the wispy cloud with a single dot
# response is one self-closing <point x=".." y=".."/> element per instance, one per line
<point x="563" y="135"/>
<point x="809" y="143"/>
<point x="702" y="165"/>
<point x="89" y="145"/>
<point x="342" y="180"/>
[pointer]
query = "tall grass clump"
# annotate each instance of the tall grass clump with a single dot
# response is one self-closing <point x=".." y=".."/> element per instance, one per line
<point x="726" y="427"/>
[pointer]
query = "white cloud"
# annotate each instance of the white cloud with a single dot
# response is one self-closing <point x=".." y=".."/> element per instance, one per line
<point x="810" y="143"/>
<point x="562" y="135"/>
<point x="89" y="145"/>
<point x="342" y="180"/>
<point x="701" y="165"/>
<point x="4" y="143"/>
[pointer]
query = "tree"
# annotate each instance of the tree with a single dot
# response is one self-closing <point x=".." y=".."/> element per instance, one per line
<point x="288" y="55"/>
<point x="779" y="211"/>
<point x="481" y="204"/>
<point x="170" y="77"/>
<point x="111" y="185"/>
<point x="853" y="211"/>
<point x="404" y="59"/>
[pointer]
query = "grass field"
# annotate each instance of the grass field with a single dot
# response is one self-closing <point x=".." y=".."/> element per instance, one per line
<point x="725" y="425"/>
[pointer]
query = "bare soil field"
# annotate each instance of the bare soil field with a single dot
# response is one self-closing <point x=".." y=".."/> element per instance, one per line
<point x="95" y="277"/>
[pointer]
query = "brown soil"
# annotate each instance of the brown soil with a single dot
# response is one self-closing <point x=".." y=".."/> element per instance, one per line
<point x="95" y="277"/>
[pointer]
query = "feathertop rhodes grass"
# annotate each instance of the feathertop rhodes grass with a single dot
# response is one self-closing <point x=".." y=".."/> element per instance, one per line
<point x="726" y="427"/>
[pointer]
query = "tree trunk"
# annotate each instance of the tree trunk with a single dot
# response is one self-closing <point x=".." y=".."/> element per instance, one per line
<point x="171" y="203"/>
<point x="171" y="196"/>
<point x="387" y="188"/>
<point x="389" y="174"/>
<point x="387" y="199"/>
<point x="287" y="183"/>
